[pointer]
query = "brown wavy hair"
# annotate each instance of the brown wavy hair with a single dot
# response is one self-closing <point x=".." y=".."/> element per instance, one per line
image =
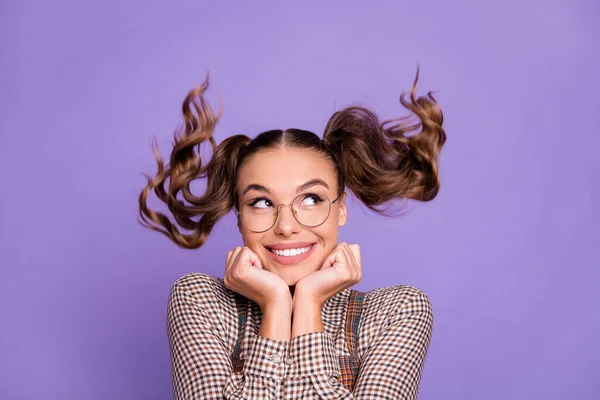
<point x="377" y="161"/>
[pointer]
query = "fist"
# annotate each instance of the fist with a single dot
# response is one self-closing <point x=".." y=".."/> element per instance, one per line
<point x="244" y="274"/>
<point x="340" y="270"/>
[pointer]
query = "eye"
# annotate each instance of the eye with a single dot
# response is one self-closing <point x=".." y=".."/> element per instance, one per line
<point x="311" y="199"/>
<point x="260" y="203"/>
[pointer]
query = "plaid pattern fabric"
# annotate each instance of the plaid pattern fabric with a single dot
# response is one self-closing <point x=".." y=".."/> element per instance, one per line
<point x="373" y="347"/>
<point x="349" y="364"/>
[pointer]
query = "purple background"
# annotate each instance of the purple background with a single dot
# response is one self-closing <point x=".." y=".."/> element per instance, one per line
<point x="508" y="252"/>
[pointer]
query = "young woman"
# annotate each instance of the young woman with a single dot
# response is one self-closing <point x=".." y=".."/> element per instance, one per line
<point x="283" y="322"/>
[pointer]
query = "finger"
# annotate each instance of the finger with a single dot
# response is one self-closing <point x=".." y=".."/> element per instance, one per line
<point x="334" y="257"/>
<point x="348" y="255"/>
<point x="248" y="258"/>
<point x="227" y="258"/>
<point x="354" y="268"/>
<point x="356" y="252"/>
<point x="351" y="264"/>
<point x="235" y="255"/>
<point x="230" y="259"/>
<point x="358" y="259"/>
<point x="253" y="258"/>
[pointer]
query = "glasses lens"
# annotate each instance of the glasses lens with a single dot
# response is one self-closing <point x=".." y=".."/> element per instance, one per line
<point x="258" y="216"/>
<point x="311" y="209"/>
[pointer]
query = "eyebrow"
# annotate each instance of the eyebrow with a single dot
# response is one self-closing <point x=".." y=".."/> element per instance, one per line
<point x="304" y="186"/>
<point x="257" y="187"/>
<point x="311" y="183"/>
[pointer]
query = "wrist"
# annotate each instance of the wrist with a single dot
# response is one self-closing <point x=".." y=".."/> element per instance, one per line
<point x="276" y="321"/>
<point x="279" y="304"/>
<point x="305" y="301"/>
<point x="306" y="317"/>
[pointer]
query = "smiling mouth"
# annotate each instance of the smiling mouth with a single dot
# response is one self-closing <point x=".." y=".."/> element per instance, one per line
<point x="291" y="252"/>
<point x="293" y="256"/>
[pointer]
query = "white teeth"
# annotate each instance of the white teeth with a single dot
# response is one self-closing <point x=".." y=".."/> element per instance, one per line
<point x="291" y="252"/>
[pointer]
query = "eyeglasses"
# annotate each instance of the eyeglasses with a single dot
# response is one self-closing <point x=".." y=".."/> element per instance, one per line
<point x="309" y="209"/>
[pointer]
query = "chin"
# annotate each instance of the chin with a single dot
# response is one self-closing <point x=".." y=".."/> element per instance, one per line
<point x="290" y="276"/>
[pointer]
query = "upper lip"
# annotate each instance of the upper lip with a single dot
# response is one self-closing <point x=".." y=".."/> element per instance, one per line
<point x="283" y="246"/>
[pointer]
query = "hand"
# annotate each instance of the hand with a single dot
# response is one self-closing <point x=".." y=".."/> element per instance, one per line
<point x="340" y="270"/>
<point x="244" y="274"/>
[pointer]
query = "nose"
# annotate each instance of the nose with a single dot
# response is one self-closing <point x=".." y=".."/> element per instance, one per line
<point x="286" y="224"/>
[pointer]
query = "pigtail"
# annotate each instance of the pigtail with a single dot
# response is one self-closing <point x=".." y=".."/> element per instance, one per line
<point x="394" y="159"/>
<point x="171" y="184"/>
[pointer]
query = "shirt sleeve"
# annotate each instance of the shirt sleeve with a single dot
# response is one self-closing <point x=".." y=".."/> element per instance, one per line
<point x="390" y="369"/>
<point x="314" y="368"/>
<point x="201" y="364"/>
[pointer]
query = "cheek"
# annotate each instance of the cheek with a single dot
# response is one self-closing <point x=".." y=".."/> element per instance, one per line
<point x="250" y="239"/>
<point x="328" y="232"/>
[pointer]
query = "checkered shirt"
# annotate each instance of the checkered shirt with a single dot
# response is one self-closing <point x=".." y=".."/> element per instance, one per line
<point x="202" y="324"/>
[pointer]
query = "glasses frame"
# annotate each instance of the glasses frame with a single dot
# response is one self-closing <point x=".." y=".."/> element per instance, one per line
<point x="294" y="213"/>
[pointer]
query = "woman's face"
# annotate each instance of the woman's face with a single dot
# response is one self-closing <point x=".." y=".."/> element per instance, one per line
<point x="278" y="176"/>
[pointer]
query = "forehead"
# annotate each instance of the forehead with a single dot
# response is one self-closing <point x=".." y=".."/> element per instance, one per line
<point x="283" y="170"/>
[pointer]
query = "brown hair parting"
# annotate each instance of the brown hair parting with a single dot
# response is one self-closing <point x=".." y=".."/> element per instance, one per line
<point x="377" y="161"/>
